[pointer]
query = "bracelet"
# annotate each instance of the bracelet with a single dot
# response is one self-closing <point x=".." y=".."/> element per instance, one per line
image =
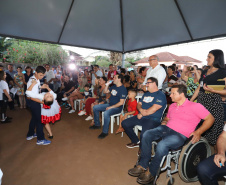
<point x="164" y="121"/>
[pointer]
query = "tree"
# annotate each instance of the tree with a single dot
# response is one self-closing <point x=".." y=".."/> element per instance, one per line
<point x="102" y="61"/>
<point x="3" y="49"/>
<point x="22" y="51"/>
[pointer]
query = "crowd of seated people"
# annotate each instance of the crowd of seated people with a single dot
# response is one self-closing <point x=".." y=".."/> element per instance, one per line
<point x="115" y="91"/>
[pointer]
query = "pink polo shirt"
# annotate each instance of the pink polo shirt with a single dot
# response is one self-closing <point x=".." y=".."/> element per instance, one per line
<point x="185" y="118"/>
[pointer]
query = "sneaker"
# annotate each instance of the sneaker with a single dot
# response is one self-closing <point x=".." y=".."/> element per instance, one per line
<point x="31" y="137"/>
<point x="81" y="112"/>
<point x="89" y="118"/>
<point x="65" y="99"/>
<point x="6" y="121"/>
<point x="43" y="142"/>
<point x="102" y="136"/>
<point x="71" y="111"/>
<point x="67" y="107"/>
<point x="133" y="145"/>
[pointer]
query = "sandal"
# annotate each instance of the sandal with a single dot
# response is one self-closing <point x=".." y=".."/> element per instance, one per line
<point x="120" y="130"/>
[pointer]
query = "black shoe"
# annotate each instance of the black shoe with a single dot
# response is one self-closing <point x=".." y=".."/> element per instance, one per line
<point x="94" y="127"/>
<point x="9" y="118"/>
<point x="50" y="137"/>
<point x="6" y="121"/>
<point x="102" y="135"/>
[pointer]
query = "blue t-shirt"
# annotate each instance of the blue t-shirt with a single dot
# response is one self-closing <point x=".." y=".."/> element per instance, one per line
<point x="117" y="93"/>
<point x="87" y="94"/>
<point x="149" y="99"/>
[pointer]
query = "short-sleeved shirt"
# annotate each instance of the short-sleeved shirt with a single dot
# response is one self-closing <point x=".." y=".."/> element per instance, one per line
<point x="11" y="73"/>
<point x="88" y="94"/>
<point x="158" y="72"/>
<point x="149" y="99"/>
<point x="68" y="86"/>
<point x="111" y="75"/>
<point x="49" y="75"/>
<point x="117" y="93"/>
<point x="212" y="78"/>
<point x="3" y="85"/>
<point x="185" y="118"/>
<point x="36" y="87"/>
<point x="132" y="106"/>
<point x="98" y="73"/>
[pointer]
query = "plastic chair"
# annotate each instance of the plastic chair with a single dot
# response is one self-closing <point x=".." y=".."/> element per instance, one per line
<point x="113" y="117"/>
<point x="77" y="102"/>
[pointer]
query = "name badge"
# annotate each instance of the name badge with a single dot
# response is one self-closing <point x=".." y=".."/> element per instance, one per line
<point x="148" y="99"/>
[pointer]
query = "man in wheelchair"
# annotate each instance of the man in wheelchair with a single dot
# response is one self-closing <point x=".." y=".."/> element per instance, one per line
<point x="179" y="124"/>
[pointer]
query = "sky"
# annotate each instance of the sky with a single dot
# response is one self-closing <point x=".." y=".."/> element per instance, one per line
<point x="198" y="50"/>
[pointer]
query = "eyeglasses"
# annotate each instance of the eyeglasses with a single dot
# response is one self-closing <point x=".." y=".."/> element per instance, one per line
<point x="149" y="83"/>
<point x="151" y="59"/>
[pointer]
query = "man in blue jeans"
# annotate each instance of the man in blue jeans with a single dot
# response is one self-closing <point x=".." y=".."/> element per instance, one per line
<point x="177" y="126"/>
<point x="212" y="168"/>
<point x="118" y="96"/>
<point x="150" y="107"/>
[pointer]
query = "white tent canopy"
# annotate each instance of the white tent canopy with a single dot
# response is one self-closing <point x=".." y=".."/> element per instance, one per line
<point x="113" y="25"/>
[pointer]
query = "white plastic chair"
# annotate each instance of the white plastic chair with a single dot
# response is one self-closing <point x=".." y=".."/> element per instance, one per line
<point x="139" y="128"/>
<point x="112" y="119"/>
<point x="78" y="102"/>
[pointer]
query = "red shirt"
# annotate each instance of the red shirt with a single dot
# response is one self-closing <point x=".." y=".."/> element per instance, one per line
<point x="132" y="106"/>
<point x="110" y="75"/>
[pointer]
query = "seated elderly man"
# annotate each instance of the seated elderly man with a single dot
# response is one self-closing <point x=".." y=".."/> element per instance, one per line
<point x="180" y="123"/>
<point x="212" y="168"/>
<point x="150" y="107"/>
<point x="116" y="101"/>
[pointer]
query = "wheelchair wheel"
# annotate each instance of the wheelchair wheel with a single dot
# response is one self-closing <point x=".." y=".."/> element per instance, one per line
<point x="190" y="157"/>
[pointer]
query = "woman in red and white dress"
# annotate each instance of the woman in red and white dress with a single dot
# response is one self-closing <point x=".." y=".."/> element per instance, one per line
<point x="51" y="111"/>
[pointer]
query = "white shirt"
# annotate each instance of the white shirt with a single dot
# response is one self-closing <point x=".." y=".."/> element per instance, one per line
<point x="39" y="96"/>
<point x="36" y="87"/>
<point x="49" y="75"/>
<point x="158" y="72"/>
<point x="98" y="73"/>
<point x="3" y="85"/>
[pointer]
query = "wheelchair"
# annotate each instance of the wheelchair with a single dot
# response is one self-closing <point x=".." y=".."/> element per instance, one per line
<point x="185" y="160"/>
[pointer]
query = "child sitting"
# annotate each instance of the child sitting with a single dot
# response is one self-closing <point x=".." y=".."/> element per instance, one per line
<point x="87" y="94"/>
<point x="131" y="108"/>
<point x="51" y="110"/>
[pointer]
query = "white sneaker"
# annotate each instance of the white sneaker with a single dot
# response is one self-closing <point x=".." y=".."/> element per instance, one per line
<point x="71" y="111"/>
<point x="82" y="112"/>
<point x="89" y="118"/>
<point x="65" y="99"/>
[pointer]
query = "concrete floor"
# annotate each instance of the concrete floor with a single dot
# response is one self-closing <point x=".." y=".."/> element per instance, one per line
<point x="75" y="157"/>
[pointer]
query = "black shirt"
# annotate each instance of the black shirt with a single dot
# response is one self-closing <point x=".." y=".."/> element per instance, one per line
<point x="68" y="85"/>
<point x="212" y="78"/>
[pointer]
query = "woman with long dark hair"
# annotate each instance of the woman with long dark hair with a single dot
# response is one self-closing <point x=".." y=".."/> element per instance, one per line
<point x="210" y="96"/>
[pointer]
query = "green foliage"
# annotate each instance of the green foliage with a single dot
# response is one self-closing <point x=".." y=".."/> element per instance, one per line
<point x="3" y="49"/>
<point x="22" y="51"/>
<point x="102" y="61"/>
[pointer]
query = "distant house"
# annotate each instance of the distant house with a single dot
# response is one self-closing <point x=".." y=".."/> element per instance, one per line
<point x="168" y="59"/>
